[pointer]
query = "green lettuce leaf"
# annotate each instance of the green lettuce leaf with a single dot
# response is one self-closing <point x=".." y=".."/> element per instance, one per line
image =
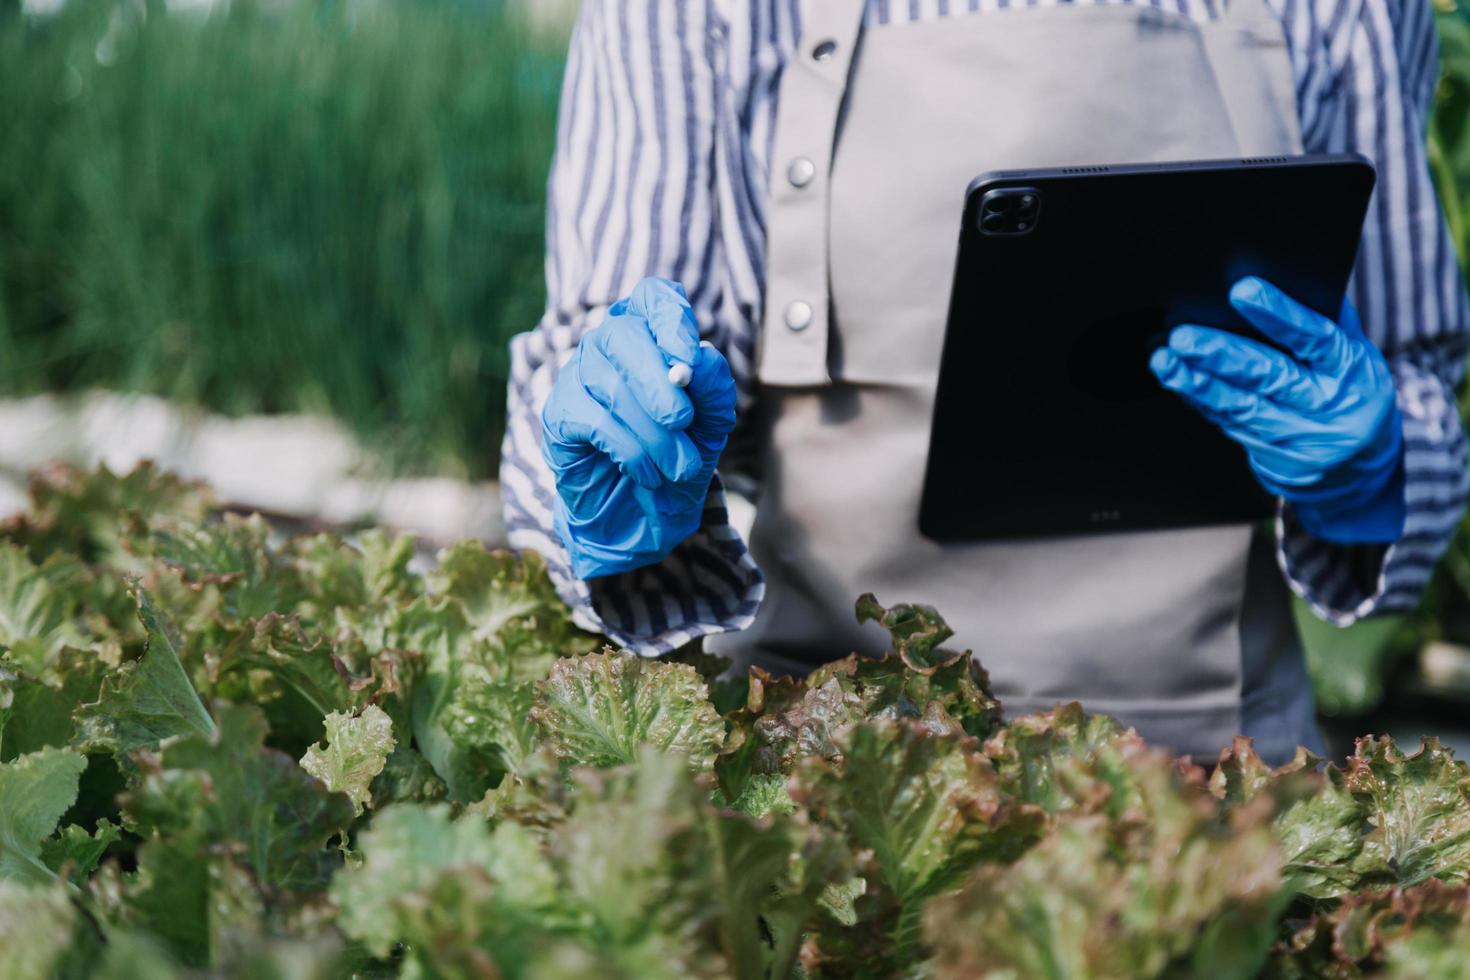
<point x="502" y="593"/>
<point x="515" y="628"/>
<point x="190" y="903"/>
<point x="453" y="892"/>
<point x="36" y="926"/>
<point x="1061" y="759"/>
<point x="39" y="712"/>
<point x="75" y="852"/>
<point x="784" y="720"/>
<point x="491" y="626"/>
<point x="1166" y="884"/>
<point x="277" y="647"/>
<point x="299" y="677"/>
<point x="1418" y="807"/>
<point x="232" y="555"/>
<point x="254" y="800"/>
<point x="1318" y="825"/>
<point x="642" y="878"/>
<point x="535" y="796"/>
<point x="600" y="709"/>
<point x="954" y="681"/>
<point x="444" y="649"/>
<point x="674" y="887"/>
<point x="168" y="898"/>
<point x="145" y="701"/>
<point x="95" y="514"/>
<point x="493" y="717"/>
<point x="131" y="954"/>
<point x="405" y="850"/>
<point x="916" y="631"/>
<point x="35" y="790"/>
<point x="927" y="808"/>
<point x="327" y="572"/>
<point x="1397" y="932"/>
<point x="38" y="610"/>
<point x="763" y="795"/>
<point x="407" y="777"/>
<point x="1437" y="954"/>
<point x="1241" y="775"/>
<point x="357" y="750"/>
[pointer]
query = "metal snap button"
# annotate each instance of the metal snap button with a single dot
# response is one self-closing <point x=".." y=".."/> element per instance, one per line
<point x="824" y="50"/>
<point x="798" y="315"/>
<point x="801" y="172"/>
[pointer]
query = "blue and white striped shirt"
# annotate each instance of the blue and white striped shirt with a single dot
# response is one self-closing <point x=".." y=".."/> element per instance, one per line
<point x="661" y="168"/>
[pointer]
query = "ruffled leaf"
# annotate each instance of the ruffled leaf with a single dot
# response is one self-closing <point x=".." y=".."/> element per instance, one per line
<point x="231" y="555"/>
<point x="74" y="853"/>
<point x="463" y="899"/>
<point x="493" y="717"/>
<point x="500" y="591"/>
<point x="356" y="751"/>
<point x="1418" y="807"/>
<point x="1061" y="759"/>
<point x="233" y="791"/>
<point x="36" y="926"/>
<point x="145" y="701"/>
<point x="35" y="790"/>
<point x="1404" y="929"/>
<point x="93" y="514"/>
<point x="1318" y="825"/>
<point x="916" y="631"/>
<point x="926" y="807"/>
<point x="35" y="713"/>
<point x="1163" y="885"/>
<point x="602" y="708"/>
<point x="38" y="612"/>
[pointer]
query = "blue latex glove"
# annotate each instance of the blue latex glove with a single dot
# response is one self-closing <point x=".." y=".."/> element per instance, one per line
<point x="1321" y="426"/>
<point x="633" y="453"/>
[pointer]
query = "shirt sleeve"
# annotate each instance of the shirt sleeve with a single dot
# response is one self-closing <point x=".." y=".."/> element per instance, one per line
<point x="630" y="195"/>
<point x="1381" y="66"/>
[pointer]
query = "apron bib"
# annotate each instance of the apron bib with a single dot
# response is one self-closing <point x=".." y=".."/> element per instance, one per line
<point x="878" y="134"/>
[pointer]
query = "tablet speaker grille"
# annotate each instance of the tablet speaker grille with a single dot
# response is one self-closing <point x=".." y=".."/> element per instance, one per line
<point x="1085" y="170"/>
<point x="1257" y="160"/>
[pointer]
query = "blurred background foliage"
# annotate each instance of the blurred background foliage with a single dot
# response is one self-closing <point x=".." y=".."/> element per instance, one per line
<point x="331" y="207"/>
<point x="336" y="206"/>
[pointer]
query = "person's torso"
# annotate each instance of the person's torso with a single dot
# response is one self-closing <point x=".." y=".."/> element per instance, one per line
<point x="879" y="130"/>
<point x="749" y="43"/>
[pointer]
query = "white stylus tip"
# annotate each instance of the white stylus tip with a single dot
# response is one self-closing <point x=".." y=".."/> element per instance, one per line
<point x="679" y="374"/>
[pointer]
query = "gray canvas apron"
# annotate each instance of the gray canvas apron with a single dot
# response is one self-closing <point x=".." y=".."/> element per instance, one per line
<point x="877" y="136"/>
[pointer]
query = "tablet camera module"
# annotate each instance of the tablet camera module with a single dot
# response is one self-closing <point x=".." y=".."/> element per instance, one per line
<point x="1009" y="211"/>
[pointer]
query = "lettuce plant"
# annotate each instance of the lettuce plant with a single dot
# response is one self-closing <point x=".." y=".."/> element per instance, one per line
<point x="225" y="752"/>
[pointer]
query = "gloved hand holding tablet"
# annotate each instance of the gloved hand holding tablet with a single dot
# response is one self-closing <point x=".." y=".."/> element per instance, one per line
<point x="1077" y="290"/>
<point x="1319" y="422"/>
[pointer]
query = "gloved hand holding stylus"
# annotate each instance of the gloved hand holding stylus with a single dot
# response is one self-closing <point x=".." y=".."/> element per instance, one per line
<point x="1320" y="424"/>
<point x="632" y="430"/>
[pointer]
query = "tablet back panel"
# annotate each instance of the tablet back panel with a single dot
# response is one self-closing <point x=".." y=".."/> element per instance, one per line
<point x="1047" y="419"/>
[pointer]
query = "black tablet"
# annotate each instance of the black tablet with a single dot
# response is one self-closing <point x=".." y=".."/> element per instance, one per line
<point x="1047" y="420"/>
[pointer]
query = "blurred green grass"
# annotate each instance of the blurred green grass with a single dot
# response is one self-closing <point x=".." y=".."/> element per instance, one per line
<point x="316" y="207"/>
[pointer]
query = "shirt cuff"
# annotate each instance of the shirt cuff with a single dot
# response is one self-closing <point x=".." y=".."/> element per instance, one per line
<point x="1344" y="583"/>
<point x="708" y="584"/>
